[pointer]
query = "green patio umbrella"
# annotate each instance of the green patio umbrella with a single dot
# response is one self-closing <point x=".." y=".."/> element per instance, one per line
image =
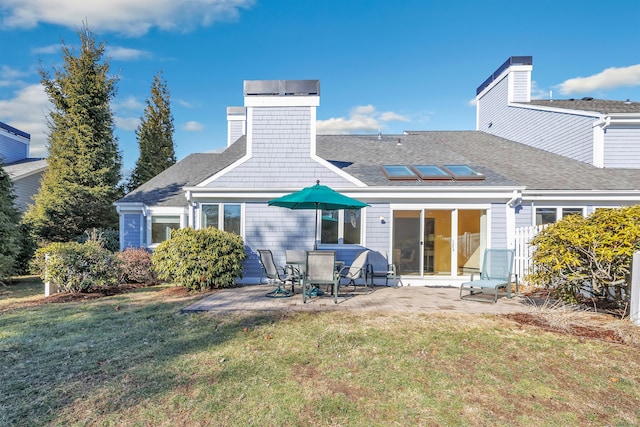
<point x="318" y="197"/>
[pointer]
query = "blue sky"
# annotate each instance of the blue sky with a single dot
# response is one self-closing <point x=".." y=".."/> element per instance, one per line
<point x="382" y="65"/>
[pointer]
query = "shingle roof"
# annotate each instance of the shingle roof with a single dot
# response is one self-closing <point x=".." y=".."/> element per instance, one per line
<point x="26" y="167"/>
<point x="165" y="189"/>
<point x="590" y="104"/>
<point x="503" y="162"/>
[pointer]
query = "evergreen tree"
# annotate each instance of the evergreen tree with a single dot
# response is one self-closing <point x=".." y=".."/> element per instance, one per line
<point x="81" y="183"/>
<point x="9" y="231"/>
<point x="155" y="136"/>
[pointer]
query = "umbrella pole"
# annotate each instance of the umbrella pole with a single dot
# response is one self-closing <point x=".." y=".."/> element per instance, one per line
<point x="315" y="235"/>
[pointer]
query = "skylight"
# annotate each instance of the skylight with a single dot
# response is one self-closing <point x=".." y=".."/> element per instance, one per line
<point x="431" y="172"/>
<point x="463" y="172"/>
<point x="399" y="172"/>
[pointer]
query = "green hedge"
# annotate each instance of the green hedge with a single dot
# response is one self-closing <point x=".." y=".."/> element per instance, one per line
<point x="77" y="267"/>
<point x="591" y="255"/>
<point x="200" y="259"/>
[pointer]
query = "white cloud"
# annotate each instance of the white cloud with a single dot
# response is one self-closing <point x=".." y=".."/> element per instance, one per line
<point x="28" y="111"/>
<point x="363" y="118"/>
<point x="133" y="18"/>
<point x="129" y="103"/>
<point x="184" y="103"/>
<point x="47" y="50"/>
<point x="472" y="102"/>
<point x="127" y="123"/>
<point x="10" y="73"/>
<point x="390" y="116"/>
<point x="126" y="54"/>
<point x="363" y="110"/>
<point x="539" y="93"/>
<point x="608" y="79"/>
<point x="193" y="126"/>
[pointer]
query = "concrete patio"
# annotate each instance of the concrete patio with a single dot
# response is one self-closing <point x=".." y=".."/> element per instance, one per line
<point x="387" y="299"/>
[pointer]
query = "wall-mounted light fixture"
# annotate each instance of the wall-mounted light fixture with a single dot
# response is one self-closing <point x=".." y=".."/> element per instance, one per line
<point x="381" y="219"/>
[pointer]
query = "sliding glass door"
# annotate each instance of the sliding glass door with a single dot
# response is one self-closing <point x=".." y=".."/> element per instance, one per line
<point x="438" y="242"/>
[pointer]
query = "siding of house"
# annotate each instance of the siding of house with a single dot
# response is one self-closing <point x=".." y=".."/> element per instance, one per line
<point x="24" y="189"/>
<point x="12" y="149"/>
<point x="236" y="130"/>
<point x="498" y="225"/>
<point x="281" y="143"/>
<point x="524" y="215"/>
<point x="566" y="134"/>
<point x="521" y="86"/>
<point x="132" y="230"/>
<point x="269" y="227"/>
<point x="621" y="148"/>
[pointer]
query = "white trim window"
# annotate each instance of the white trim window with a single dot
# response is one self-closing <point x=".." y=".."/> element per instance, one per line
<point x="162" y="226"/>
<point x="230" y="220"/>
<point x="548" y="215"/>
<point x="341" y="227"/>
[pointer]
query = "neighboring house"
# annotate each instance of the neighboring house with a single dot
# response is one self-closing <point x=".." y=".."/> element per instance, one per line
<point x="25" y="172"/>
<point x="599" y="132"/>
<point x="437" y="199"/>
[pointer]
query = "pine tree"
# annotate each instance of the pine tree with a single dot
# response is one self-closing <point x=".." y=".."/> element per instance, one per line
<point x="81" y="183"/>
<point x="9" y="231"/>
<point x="155" y="136"/>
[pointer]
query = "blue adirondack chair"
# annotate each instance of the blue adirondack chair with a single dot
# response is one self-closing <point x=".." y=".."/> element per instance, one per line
<point x="497" y="268"/>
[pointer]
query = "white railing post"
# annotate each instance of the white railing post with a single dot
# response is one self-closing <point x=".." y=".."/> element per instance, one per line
<point x="635" y="289"/>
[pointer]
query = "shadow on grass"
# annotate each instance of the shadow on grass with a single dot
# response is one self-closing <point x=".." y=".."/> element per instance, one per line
<point x="114" y="353"/>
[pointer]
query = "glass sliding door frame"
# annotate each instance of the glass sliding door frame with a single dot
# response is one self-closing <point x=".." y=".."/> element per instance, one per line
<point x="416" y="238"/>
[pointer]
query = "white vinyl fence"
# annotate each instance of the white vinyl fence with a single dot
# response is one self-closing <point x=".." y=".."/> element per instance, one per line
<point x="524" y="250"/>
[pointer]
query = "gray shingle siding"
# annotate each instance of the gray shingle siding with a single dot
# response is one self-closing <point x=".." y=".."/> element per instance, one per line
<point x="622" y="148"/>
<point x="281" y="141"/>
<point x="521" y="86"/>
<point x="25" y="189"/>
<point x="378" y="232"/>
<point x="566" y="134"/>
<point x="278" y="229"/>
<point x="523" y="215"/>
<point x="498" y="225"/>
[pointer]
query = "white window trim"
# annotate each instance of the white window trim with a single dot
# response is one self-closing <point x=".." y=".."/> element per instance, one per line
<point x="221" y="206"/>
<point x="363" y="232"/>
<point x="164" y="211"/>
<point x="558" y="210"/>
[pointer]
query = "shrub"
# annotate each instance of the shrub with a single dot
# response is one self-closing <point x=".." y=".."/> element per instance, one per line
<point x="135" y="265"/>
<point x="78" y="267"/>
<point x="29" y="244"/>
<point x="200" y="259"/>
<point x="591" y="255"/>
<point x="107" y="237"/>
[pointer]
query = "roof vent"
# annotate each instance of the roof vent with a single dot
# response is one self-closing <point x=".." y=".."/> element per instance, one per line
<point x="628" y="101"/>
<point x="587" y="98"/>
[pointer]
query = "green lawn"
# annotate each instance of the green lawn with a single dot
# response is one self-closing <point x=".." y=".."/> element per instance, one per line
<point x="134" y="359"/>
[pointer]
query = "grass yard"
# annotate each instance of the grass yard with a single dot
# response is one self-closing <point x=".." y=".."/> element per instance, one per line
<point x="134" y="359"/>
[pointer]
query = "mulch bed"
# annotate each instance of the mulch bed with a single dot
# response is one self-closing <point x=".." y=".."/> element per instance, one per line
<point x="594" y="331"/>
